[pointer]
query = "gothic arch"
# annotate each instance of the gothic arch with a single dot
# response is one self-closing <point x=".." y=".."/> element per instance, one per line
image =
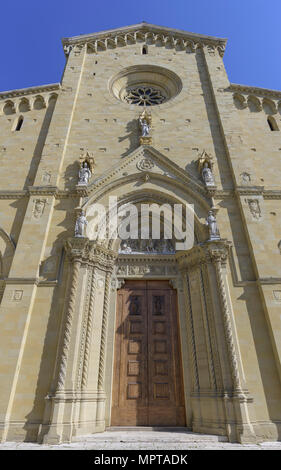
<point x="148" y="196"/>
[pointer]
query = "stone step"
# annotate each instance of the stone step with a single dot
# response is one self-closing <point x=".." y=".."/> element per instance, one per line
<point x="149" y="434"/>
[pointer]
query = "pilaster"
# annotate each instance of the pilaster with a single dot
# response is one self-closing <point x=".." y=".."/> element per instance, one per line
<point x="232" y="399"/>
<point x="77" y="404"/>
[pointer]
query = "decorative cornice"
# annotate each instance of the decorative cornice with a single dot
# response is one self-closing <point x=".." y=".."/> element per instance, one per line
<point x="142" y="31"/>
<point x="42" y="190"/>
<point x="13" y="194"/>
<point x="272" y="194"/>
<point x="250" y="190"/>
<point x="84" y="192"/>
<point x="269" y="280"/>
<point x="30" y="91"/>
<point x="254" y="91"/>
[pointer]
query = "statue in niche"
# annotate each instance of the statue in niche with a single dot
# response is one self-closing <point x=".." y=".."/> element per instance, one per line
<point x="145" y="126"/>
<point x="84" y="174"/>
<point x="211" y="221"/>
<point x="207" y="175"/>
<point x="205" y="166"/>
<point x="80" y="225"/>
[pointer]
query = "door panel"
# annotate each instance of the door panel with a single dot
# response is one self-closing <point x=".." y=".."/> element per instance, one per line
<point x="147" y="389"/>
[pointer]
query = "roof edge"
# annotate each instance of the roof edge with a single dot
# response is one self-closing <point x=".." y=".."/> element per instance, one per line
<point x="30" y="90"/>
<point x="254" y="90"/>
<point x="145" y="27"/>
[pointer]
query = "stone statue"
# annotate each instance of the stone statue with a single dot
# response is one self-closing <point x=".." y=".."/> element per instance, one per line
<point x="84" y="174"/>
<point x="211" y="221"/>
<point x="207" y="175"/>
<point x="145" y="127"/>
<point x="80" y="225"/>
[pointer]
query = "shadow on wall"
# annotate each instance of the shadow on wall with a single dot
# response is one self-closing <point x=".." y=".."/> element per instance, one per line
<point x="132" y="136"/>
<point x="40" y="142"/>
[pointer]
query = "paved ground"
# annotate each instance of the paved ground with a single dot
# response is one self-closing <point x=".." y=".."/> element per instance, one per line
<point x="144" y="440"/>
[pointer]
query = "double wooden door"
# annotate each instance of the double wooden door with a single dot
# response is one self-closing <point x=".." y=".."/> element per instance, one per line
<point x="147" y="384"/>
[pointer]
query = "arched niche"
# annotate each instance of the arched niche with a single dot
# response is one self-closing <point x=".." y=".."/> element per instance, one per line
<point x="254" y="104"/>
<point x="9" y="108"/>
<point x="269" y="106"/>
<point x="239" y="101"/>
<point x="24" y="106"/>
<point x="39" y="103"/>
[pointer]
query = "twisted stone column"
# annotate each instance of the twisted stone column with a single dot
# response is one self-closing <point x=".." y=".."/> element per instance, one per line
<point x="191" y="337"/>
<point x="217" y="258"/>
<point x="88" y="333"/>
<point x="68" y="324"/>
<point x="104" y="331"/>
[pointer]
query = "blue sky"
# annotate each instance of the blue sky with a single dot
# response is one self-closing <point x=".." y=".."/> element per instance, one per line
<point x="31" y="32"/>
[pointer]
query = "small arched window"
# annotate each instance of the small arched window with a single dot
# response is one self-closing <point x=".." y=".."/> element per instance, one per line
<point x="19" y="124"/>
<point x="144" y="50"/>
<point x="272" y="123"/>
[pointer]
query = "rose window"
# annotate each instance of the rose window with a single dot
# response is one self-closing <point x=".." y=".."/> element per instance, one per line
<point x="144" y="96"/>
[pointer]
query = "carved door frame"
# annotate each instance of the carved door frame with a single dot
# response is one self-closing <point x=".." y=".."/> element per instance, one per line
<point x="147" y="267"/>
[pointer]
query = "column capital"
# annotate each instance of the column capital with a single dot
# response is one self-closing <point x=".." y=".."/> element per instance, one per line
<point x="203" y="253"/>
<point x="90" y="252"/>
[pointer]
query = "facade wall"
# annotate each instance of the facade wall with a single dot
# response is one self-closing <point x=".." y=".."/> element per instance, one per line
<point x="38" y="197"/>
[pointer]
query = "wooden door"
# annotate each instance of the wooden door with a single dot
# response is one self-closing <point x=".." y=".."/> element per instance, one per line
<point x="147" y="385"/>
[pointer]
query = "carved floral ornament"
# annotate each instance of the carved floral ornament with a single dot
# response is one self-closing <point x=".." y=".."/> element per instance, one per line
<point x="145" y="164"/>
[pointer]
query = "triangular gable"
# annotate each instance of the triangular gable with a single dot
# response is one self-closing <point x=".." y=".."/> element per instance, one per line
<point x="147" y="161"/>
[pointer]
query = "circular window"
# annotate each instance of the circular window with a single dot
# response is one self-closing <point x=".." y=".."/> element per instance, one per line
<point x="145" y="85"/>
<point x="147" y="96"/>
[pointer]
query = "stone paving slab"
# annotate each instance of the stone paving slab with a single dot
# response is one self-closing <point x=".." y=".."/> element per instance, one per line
<point x="145" y="440"/>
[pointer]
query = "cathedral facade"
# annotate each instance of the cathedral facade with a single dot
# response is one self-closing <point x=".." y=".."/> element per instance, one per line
<point x="97" y="330"/>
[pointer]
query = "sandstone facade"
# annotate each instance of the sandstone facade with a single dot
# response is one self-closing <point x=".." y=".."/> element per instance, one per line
<point x="58" y="307"/>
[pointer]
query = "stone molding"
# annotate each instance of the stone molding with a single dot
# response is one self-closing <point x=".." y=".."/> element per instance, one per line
<point x="254" y="91"/>
<point x="181" y="40"/>
<point x="30" y="90"/>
